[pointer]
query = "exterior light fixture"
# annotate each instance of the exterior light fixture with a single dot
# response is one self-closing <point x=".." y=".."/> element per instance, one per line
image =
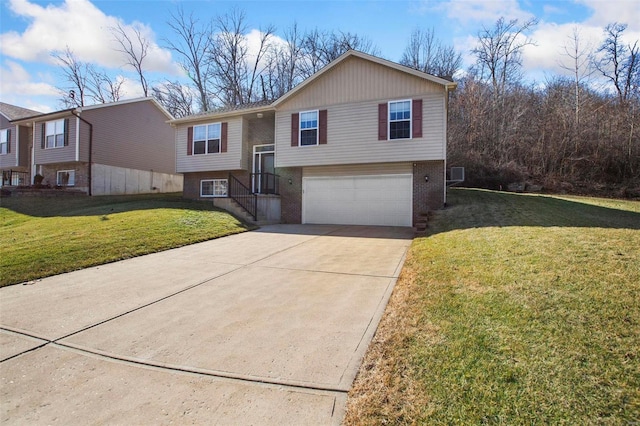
<point x="290" y="181"/>
<point x="426" y="178"/>
<point x="259" y="115"/>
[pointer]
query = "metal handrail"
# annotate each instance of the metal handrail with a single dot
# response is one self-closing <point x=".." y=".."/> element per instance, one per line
<point x="266" y="183"/>
<point x="242" y="195"/>
<point x="15" y="178"/>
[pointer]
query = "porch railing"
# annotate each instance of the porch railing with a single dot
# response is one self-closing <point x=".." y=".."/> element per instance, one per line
<point x="14" y="178"/>
<point x="242" y="195"/>
<point x="265" y="183"/>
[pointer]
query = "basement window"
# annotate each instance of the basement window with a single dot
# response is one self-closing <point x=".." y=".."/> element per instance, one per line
<point x="213" y="188"/>
<point x="66" y="178"/>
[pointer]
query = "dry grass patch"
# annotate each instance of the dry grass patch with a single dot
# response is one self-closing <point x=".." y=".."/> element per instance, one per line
<point x="515" y="309"/>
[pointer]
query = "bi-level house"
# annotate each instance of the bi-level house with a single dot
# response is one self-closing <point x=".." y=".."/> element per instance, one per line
<point x="362" y="141"/>
<point x="124" y="147"/>
<point x="15" y="145"/>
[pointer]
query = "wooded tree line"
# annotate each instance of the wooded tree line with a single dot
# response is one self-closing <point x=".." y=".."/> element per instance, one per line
<point x="565" y="134"/>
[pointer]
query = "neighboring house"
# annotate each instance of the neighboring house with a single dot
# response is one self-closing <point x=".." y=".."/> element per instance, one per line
<point x="362" y="141"/>
<point x="15" y="145"/>
<point x="124" y="147"/>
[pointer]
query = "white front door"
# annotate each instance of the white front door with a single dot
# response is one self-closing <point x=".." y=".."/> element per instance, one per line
<point x="263" y="181"/>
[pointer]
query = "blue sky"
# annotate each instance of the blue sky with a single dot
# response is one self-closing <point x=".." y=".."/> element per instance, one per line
<point x="31" y="29"/>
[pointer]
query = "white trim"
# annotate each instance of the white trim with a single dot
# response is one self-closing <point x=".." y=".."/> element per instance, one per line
<point x="206" y="139"/>
<point x="70" y="171"/>
<point x="317" y="128"/>
<point x="55" y="139"/>
<point x="214" y="180"/>
<point x="77" y="138"/>
<point x="253" y="163"/>
<point x="33" y="152"/>
<point x="8" y="142"/>
<point x="410" y="119"/>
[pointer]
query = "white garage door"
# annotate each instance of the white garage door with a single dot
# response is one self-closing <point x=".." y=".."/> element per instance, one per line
<point x="358" y="200"/>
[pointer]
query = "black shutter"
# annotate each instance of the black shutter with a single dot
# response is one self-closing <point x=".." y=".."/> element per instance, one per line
<point x="66" y="132"/>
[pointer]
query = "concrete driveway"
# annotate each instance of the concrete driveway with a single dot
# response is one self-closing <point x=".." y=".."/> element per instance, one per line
<point x="265" y="327"/>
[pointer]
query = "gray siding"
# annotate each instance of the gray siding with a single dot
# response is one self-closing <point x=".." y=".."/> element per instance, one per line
<point x="130" y="135"/>
<point x="63" y="154"/>
<point x="8" y="160"/>
<point x="352" y="135"/>
<point x="230" y="160"/>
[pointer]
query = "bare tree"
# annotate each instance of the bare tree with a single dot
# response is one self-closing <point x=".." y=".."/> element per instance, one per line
<point x="76" y="73"/>
<point x="283" y="65"/>
<point x="427" y="54"/>
<point x="193" y="46"/>
<point x="235" y="70"/>
<point x="580" y="66"/>
<point x="175" y="97"/>
<point x="103" y="88"/>
<point x="135" y="49"/>
<point x="320" y="48"/>
<point x="499" y="52"/>
<point x="619" y="63"/>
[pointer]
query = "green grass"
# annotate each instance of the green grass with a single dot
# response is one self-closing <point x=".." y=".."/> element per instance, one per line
<point x="42" y="237"/>
<point x="515" y="309"/>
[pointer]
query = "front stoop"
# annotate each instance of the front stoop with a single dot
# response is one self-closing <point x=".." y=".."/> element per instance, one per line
<point x="421" y="225"/>
<point x="235" y="209"/>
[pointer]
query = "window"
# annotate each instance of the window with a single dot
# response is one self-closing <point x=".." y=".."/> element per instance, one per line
<point x="213" y="188"/>
<point x="4" y="141"/>
<point x="54" y="134"/>
<point x="309" y="128"/>
<point x="66" y="178"/>
<point x="400" y="120"/>
<point x="206" y="139"/>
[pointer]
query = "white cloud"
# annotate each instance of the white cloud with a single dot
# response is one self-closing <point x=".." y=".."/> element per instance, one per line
<point x="81" y="26"/>
<point x="548" y="52"/>
<point x="16" y="82"/>
<point x="608" y="11"/>
<point x="483" y="11"/>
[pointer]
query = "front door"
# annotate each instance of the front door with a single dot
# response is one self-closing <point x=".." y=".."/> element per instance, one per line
<point x="264" y="178"/>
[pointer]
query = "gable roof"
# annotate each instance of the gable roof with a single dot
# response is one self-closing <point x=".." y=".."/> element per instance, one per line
<point x="77" y="110"/>
<point x="252" y="107"/>
<point x="13" y="112"/>
<point x="449" y="85"/>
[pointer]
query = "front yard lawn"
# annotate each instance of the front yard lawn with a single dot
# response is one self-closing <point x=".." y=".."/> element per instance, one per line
<point x="42" y="237"/>
<point x="514" y="310"/>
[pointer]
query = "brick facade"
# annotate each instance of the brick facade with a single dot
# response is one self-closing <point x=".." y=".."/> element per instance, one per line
<point x="291" y="194"/>
<point x="50" y="171"/>
<point x="191" y="187"/>
<point x="427" y="195"/>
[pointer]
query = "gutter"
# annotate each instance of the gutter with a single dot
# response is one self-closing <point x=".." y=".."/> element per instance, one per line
<point x="76" y="112"/>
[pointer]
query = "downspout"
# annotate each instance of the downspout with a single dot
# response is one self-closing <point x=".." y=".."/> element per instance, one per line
<point x="75" y="112"/>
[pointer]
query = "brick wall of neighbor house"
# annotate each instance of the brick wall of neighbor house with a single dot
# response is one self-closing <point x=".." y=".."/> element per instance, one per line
<point x="290" y="194"/>
<point x="49" y="171"/>
<point x="427" y="195"/>
<point x="191" y="185"/>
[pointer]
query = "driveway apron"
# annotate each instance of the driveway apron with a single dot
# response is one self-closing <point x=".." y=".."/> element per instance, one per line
<point x="264" y="327"/>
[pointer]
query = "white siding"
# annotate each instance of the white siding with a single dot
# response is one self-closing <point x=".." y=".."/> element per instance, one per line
<point x="230" y="160"/>
<point x="352" y="136"/>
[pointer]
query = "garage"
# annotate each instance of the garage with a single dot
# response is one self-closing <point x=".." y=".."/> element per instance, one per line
<point x="384" y="200"/>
